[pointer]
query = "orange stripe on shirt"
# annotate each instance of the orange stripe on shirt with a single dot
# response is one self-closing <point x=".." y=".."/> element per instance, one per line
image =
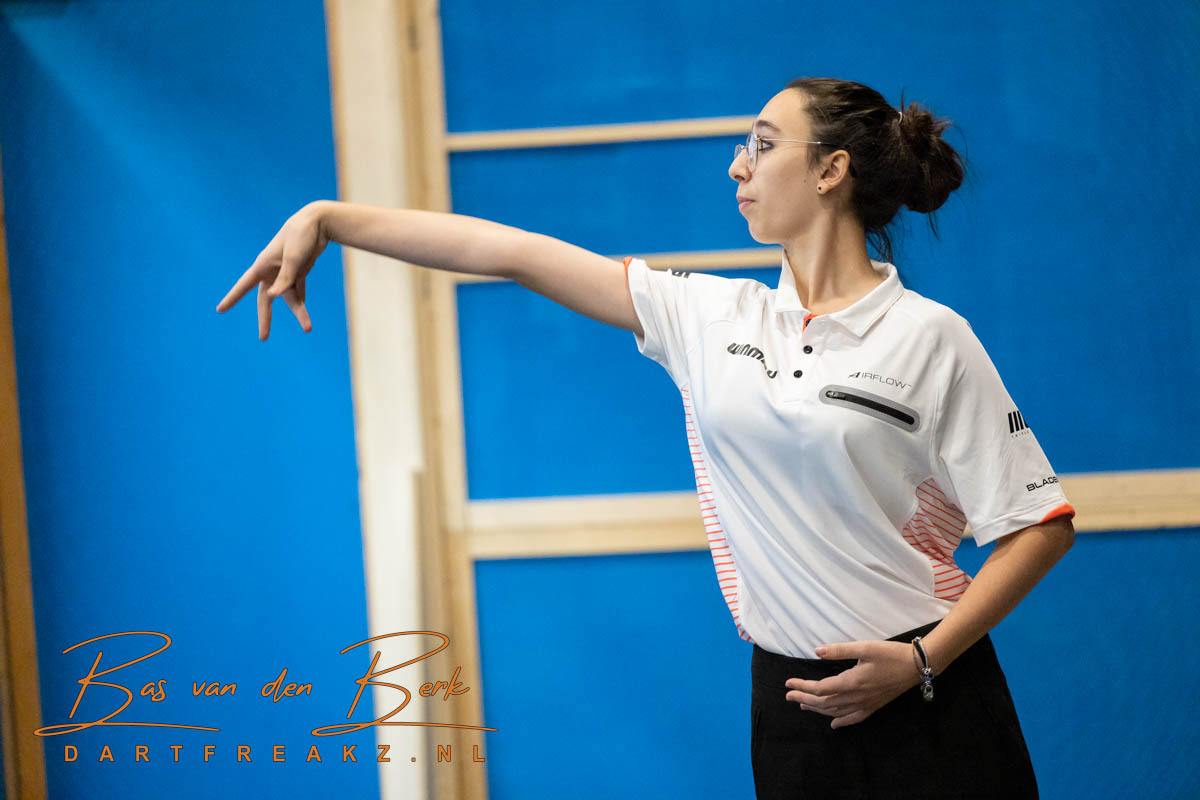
<point x="1065" y="508"/>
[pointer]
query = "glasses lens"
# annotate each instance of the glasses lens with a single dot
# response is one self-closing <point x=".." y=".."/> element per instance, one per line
<point x="751" y="149"/>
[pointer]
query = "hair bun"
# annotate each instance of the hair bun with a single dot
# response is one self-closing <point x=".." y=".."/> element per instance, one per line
<point x="919" y="129"/>
<point x="938" y="169"/>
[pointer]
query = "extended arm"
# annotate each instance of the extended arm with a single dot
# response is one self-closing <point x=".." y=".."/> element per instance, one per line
<point x="579" y="279"/>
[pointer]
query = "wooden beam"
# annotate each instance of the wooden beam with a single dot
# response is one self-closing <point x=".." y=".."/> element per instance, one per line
<point x="670" y="521"/>
<point x="599" y="134"/>
<point x="20" y="696"/>
<point x="449" y="572"/>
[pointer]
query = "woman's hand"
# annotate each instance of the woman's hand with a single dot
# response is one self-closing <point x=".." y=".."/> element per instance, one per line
<point x="281" y="268"/>
<point x="884" y="670"/>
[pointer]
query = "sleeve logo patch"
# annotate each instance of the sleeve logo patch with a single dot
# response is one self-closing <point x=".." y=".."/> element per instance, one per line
<point x="1016" y="425"/>
<point x="1029" y="487"/>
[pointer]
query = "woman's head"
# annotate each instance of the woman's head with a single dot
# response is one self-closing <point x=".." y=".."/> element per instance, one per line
<point x="870" y="161"/>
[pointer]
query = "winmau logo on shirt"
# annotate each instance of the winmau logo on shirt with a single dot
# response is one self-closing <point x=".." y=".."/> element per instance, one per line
<point x="871" y="376"/>
<point x="753" y="352"/>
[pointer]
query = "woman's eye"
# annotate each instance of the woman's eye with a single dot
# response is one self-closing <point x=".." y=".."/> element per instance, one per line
<point x="764" y="146"/>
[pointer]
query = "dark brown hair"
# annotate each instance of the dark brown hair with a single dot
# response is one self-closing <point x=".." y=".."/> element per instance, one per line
<point x="893" y="162"/>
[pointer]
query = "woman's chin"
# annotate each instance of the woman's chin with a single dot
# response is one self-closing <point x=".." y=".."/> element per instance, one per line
<point x="761" y="238"/>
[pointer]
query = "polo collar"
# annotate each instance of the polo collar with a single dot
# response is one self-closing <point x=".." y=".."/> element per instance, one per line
<point x="857" y="317"/>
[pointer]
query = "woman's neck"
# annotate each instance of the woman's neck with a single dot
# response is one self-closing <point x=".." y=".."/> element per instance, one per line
<point x="831" y="267"/>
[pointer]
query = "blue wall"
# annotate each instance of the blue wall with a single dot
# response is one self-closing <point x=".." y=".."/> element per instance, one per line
<point x="1068" y="250"/>
<point x="181" y="476"/>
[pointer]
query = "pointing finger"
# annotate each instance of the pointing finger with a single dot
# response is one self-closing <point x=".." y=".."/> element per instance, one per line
<point x="287" y="272"/>
<point x="258" y="271"/>
<point x="239" y="290"/>
<point x="264" y="312"/>
<point x="291" y="297"/>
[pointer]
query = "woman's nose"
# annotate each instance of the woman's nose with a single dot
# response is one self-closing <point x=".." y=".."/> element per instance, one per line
<point x="738" y="168"/>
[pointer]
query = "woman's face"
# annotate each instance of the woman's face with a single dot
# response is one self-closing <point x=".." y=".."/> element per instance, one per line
<point x="783" y="191"/>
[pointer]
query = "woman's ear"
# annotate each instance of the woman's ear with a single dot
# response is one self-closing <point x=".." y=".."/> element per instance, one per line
<point x="836" y="169"/>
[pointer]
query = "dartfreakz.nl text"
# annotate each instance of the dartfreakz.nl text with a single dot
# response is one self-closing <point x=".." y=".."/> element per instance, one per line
<point x="276" y="690"/>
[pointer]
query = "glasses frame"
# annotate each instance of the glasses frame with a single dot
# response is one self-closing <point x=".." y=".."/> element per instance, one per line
<point x="754" y="144"/>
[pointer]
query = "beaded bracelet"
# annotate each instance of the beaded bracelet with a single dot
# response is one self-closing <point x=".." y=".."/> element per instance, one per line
<point x="926" y="671"/>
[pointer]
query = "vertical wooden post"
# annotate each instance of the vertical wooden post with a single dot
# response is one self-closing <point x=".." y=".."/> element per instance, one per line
<point x="20" y="700"/>
<point x="446" y="559"/>
<point x="390" y="127"/>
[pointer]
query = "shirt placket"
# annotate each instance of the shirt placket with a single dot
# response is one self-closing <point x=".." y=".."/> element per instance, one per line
<point x="803" y="359"/>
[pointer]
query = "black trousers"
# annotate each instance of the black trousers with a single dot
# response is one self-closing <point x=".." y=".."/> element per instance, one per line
<point x="964" y="743"/>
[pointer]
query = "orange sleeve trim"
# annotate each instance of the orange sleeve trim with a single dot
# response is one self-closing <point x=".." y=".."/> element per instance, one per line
<point x="1065" y="508"/>
<point x="627" y="259"/>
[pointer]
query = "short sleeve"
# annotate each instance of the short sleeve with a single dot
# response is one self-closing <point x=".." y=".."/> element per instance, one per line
<point x="983" y="449"/>
<point x="673" y="307"/>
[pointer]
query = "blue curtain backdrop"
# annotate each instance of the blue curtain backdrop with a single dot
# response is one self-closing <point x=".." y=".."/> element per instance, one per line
<point x="182" y="478"/>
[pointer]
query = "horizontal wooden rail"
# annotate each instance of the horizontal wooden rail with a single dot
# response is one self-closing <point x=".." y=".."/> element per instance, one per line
<point x="670" y="521"/>
<point x="567" y="136"/>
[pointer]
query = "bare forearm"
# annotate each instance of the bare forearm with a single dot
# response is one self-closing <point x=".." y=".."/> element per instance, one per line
<point x="1015" y="566"/>
<point x="433" y="239"/>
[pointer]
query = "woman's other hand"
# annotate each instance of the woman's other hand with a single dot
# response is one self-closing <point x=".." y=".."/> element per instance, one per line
<point x="883" y="671"/>
<point x="282" y="267"/>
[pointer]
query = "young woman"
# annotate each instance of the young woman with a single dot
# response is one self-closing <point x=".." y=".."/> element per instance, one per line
<point x="844" y="431"/>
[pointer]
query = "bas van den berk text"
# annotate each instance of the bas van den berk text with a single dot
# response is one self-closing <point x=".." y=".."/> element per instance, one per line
<point x="152" y="692"/>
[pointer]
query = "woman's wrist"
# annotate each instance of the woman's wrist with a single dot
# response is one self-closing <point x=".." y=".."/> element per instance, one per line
<point x="321" y="210"/>
<point x="925" y="669"/>
<point x="916" y="657"/>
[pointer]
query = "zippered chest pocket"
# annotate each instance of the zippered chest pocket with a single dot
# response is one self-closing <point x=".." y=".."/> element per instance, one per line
<point x="873" y="405"/>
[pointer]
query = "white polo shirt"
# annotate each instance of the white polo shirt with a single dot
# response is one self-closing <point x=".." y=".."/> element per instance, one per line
<point x="839" y="457"/>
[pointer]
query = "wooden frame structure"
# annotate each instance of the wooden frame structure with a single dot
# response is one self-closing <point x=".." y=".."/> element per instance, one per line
<point x="20" y="694"/>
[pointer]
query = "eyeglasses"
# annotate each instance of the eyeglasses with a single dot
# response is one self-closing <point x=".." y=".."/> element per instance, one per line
<point x="754" y="144"/>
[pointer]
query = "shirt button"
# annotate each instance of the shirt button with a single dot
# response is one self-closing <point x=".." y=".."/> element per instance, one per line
<point x="797" y="373"/>
<point x="808" y="348"/>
